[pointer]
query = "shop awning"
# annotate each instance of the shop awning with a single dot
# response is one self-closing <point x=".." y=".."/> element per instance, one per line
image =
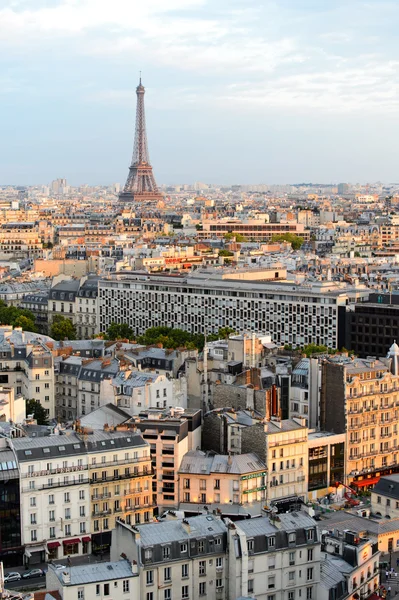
<point x="364" y="482"/>
<point x="86" y="539"/>
<point x="30" y="551"/>
<point x="72" y="541"/>
<point x="51" y="545"/>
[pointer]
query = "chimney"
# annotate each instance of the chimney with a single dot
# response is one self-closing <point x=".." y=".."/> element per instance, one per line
<point x="135" y="570"/>
<point x="186" y="526"/>
<point x="66" y="577"/>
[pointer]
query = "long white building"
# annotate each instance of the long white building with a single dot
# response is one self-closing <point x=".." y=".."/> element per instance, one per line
<point x="248" y="300"/>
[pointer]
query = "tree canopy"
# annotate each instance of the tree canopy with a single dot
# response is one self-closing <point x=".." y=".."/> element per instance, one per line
<point x="33" y="407"/>
<point x="17" y="317"/>
<point x="238" y="237"/>
<point x="119" y="331"/>
<point x="62" y="328"/>
<point x="296" y="241"/>
<point x="177" y="338"/>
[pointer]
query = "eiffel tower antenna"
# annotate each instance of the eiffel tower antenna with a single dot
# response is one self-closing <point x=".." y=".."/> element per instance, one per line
<point x="140" y="185"/>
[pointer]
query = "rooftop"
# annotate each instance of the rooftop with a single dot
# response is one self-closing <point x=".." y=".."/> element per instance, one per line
<point x="92" y="573"/>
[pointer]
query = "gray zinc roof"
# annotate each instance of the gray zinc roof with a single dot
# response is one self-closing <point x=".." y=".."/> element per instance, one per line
<point x="170" y="531"/>
<point x="92" y="573"/>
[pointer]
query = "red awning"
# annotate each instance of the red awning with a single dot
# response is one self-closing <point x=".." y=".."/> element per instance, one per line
<point x="86" y="539"/>
<point x="72" y="541"/>
<point x="52" y="545"/>
<point x="364" y="482"/>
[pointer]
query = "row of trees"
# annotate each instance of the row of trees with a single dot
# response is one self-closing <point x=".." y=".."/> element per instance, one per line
<point x="167" y="336"/>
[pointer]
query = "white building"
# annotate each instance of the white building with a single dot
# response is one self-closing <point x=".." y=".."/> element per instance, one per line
<point x="184" y="559"/>
<point x="274" y="558"/>
<point x="11" y="408"/>
<point x="208" y="299"/>
<point x="101" y="580"/>
<point x="136" y="391"/>
<point x="55" y="498"/>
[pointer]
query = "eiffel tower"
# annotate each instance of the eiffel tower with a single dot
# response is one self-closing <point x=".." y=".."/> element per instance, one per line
<point x="140" y="184"/>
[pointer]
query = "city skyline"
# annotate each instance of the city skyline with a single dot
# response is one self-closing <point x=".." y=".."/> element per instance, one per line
<point x="238" y="92"/>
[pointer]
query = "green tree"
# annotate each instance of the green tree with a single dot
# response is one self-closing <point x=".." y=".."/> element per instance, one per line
<point x="9" y="315"/>
<point x="225" y="253"/>
<point x="62" y="329"/>
<point x="296" y="241"/>
<point x="238" y="237"/>
<point x="26" y="323"/>
<point x="119" y="331"/>
<point x="225" y="332"/>
<point x="33" y="407"/>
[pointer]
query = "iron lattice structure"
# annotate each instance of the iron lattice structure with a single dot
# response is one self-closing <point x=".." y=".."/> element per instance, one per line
<point x="140" y="184"/>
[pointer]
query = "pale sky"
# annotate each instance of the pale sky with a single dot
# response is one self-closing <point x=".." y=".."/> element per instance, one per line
<point x="237" y="91"/>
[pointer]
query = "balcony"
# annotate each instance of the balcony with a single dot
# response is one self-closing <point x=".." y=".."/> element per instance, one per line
<point x="113" y="463"/>
<point x="101" y="513"/>
<point x="133" y="492"/>
<point x="60" y="471"/>
<point x="121" y="476"/>
<point x="57" y="484"/>
<point x="101" y="496"/>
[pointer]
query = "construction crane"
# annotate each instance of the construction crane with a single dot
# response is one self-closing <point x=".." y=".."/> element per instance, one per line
<point x="350" y="495"/>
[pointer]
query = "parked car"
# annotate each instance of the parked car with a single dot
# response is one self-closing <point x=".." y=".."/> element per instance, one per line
<point x="13" y="576"/>
<point x="33" y="573"/>
<point x="60" y="567"/>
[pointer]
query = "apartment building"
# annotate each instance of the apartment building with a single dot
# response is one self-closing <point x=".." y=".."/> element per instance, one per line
<point x="54" y="494"/>
<point x="385" y="500"/>
<point x="102" y="580"/>
<point x="11" y="549"/>
<point x="86" y="309"/>
<point x="208" y="299"/>
<point x="12" y="409"/>
<point x="67" y="372"/>
<point x="253" y="229"/>
<point x="230" y="485"/>
<point x="26" y="365"/>
<point x="176" y="558"/>
<point x="135" y="391"/>
<point x="365" y="408"/>
<point x="95" y="383"/>
<point x="20" y="240"/>
<point x="120" y="477"/>
<point x="274" y="558"/>
<point x="222" y="427"/>
<point x="352" y="561"/>
<point x="283" y="446"/>
<point x="171" y="434"/>
<point x="75" y="299"/>
<point x="38" y="305"/>
<point x="304" y="391"/>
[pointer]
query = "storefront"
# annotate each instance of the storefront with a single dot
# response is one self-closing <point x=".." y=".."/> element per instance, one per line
<point x="86" y="542"/>
<point x="52" y="550"/>
<point x="71" y="546"/>
<point x="34" y="555"/>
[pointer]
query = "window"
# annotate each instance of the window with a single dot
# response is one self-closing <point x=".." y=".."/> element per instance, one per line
<point x="202" y="567"/>
<point x="292" y="558"/>
<point x="201" y="546"/>
<point x="126" y="586"/>
<point x="106" y="589"/>
<point x="184" y="570"/>
<point x="52" y="532"/>
<point x="96" y="525"/>
<point x="309" y="574"/>
<point x="98" y="589"/>
<point x="271" y="541"/>
<point x="105" y="523"/>
<point x="150" y="596"/>
<point x="184" y="592"/>
<point x="309" y="593"/>
<point x="388" y="502"/>
<point x="67" y="513"/>
<point x="51" y="499"/>
<point x="202" y="588"/>
<point x="82" y="511"/>
<point x="272" y="562"/>
<point x="291" y="595"/>
<point x="165" y="552"/>
<point x="219" y="562"/>
<point x="150" y="577"/>
<point x="310" y="555"/>
<point x="82" y="527"/>
<point x="250" y="586"/>
<point x="167" y="574"/>
<point x="217" y="484"/>
<point x="38" y="390"/>
<point x="67" y="530"/>
<point x="271" y="582"/>
<point x="250" y="545"/>
<point x="32" y="501"/>
<point x="291" y="538"/>
<point x="67" y="497"/>
<point x="309" y="534"/>
<point x="81" y="593"/>
<point x="378" y="499"/>
<point x="33" y="535"/>
<point x="167" y="594"/>
<point x="51" y="515"/>
<point x="291" y="576"/>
